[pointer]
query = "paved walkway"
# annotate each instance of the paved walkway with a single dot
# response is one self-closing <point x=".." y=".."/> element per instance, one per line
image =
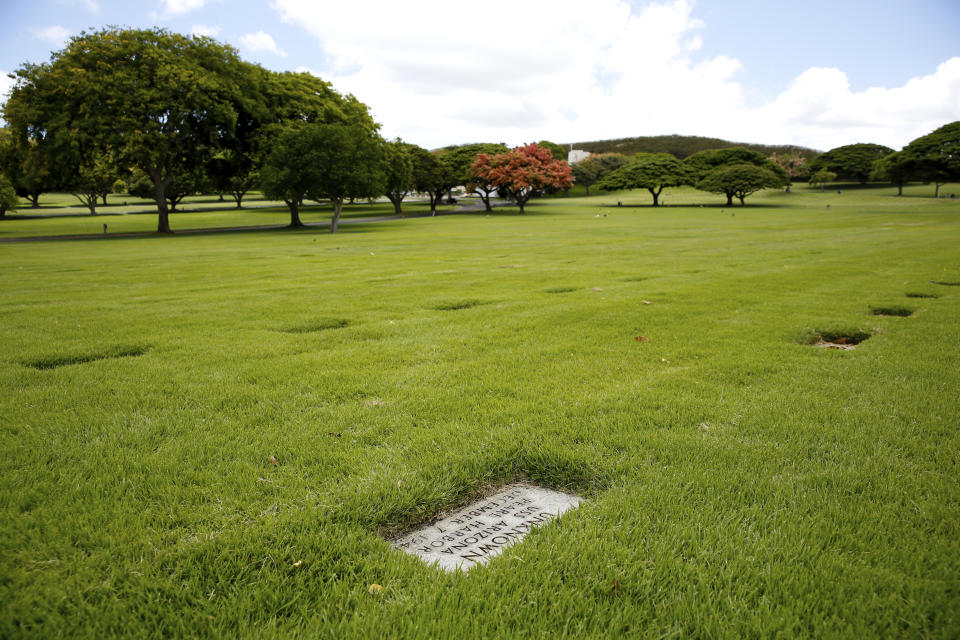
<point x="470" y="207"/>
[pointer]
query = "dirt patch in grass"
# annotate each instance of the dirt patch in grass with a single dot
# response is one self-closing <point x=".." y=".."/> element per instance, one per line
<point x="323" y="324"/>
<point x="946" y="283"/>
<point x="892" y="310"/>
<point x="919" y="294"/>
<point x="457" y="305"/>
<point x="56" y="360"/>
<point x="843" y="338"/>
<point x="561" y="290"/>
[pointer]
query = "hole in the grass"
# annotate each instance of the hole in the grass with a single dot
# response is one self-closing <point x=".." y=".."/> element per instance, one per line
<point x="456" y="305"/>
<point x="894" y="310"/>
<point x="65" y="359"/>
<point x="479" y="531"/>
<point x="561" y="289"/>
<point x="319" y="325"/>
<point x="844" y="339"/>
<point x="946" y="283"/>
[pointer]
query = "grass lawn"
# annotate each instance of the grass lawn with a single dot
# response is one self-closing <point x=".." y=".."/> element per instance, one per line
<point x="58" y="215"/>
<point x="739" y="482"/>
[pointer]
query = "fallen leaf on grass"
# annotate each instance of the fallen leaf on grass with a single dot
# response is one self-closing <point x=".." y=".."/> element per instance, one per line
<point x="646" y="302"/>
<point x="272" y="460"/>
<point x="335" y="435"/>
<point x="641" y="338"/>
<point x="375" y="589"/>
<point x="297" y="563"/>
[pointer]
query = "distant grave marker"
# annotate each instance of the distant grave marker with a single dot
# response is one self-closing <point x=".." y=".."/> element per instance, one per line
<point x="482" y="530"/>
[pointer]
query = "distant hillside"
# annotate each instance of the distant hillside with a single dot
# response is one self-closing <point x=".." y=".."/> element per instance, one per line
<point x="682" y="146"/>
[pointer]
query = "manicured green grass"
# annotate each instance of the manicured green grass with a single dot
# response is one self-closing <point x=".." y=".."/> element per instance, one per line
<point x="201" y="212"/>
<point x="739" y="482"/>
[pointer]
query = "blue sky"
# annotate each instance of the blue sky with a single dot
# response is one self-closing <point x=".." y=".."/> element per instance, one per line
<point x="438" y="72"/>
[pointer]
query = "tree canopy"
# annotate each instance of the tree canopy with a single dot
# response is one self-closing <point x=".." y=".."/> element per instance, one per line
<point x="398" y="172"/>
<point x="523" y="172"/>
<point x="852" y="161"/>
<point x="316" y="160"/>
<point x="739" y="180"/>
<point x="935" y="157"/>
<point x="650" y="171"/>
<point x="8" y="196"/>
<point x="166" y="104"/>
<point x="703" y="162"/>
<point x="460" y="159"/>
<point x="591" y="170"/>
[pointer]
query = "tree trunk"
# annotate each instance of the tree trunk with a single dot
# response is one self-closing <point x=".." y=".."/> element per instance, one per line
<point x="656" y="195"/>
<point x="587" y="187"/>
<point x="899" y="189"/>
<point x="397" y="201"/>
<point x="160" y="195"/>
<point x="104" y="199"/>
<point x="34" y="199"/>
<point x="294" y="207"/>
<point x="433" y="202"/>
<point x="729" y="199"/>
<point x="238" y="196"/>
<point x="936" y="189"/>
<point x="740" y="198"/>
<point x="337" y="208"/>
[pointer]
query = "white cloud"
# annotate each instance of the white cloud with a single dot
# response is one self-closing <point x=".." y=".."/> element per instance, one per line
<point x="5" y="85"/>
<point x="89" y="5"/>
<point x="260" y="42"/>
<point x="180" y="7"/>
<point x="205" y="30"/>
<point x="435" y="73"/>
<point x="56" y="35"/>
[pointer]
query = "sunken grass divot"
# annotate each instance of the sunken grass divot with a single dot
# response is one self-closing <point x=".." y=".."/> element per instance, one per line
<point x="54" y="361"/>
<point x="891" y="310"/>
<point x="323" y="324"/>
<point x="946" y="283"/>
<point x="562" y="290"/>
<point x="843" y="338"/>
<point x="921" y="294"/>
<point x="458" y="305"/>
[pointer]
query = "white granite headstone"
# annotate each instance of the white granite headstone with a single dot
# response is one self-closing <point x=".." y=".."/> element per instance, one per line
<point x="476" y="533"/>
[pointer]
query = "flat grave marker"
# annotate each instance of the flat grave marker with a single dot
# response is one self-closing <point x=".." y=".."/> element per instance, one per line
<point x="480" y="531"/>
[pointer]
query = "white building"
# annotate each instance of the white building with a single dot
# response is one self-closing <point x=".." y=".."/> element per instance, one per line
<point x="576" y="155"/>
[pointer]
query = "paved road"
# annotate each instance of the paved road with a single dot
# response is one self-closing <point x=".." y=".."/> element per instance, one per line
<point x="464" y="208"/>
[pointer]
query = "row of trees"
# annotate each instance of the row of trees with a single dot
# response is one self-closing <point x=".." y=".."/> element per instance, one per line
<point x="930" y="159"/>
<point x="734" y="172"/>
<point x="170" y="115"/>
<point x="739" y="172"/>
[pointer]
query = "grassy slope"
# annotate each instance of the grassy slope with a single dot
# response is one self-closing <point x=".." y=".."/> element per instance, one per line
<point x="740" y="483"/>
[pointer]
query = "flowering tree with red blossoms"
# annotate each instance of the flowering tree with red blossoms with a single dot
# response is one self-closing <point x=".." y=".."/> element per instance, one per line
<point x="522" y="172"/>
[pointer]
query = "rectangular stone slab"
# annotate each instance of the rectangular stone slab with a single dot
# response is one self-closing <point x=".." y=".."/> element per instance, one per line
<point x="480" y="531"/>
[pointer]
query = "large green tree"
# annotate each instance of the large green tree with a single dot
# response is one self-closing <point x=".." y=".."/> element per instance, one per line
<point x="431" y="175"/>
<point x="739" y="181"/>
<point x="703" y="162"/>
<point x="852" y="161"/>
<point x="897" y="168"/>
<point x="27" y="168"/>
<point x="162" y="102"/>
<point x="398" y="170"/>
<point x="331" y="161"/>
<point x="650" y="171"/>
<point x="591" y="170"/>
<point x="935" y="157"/>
